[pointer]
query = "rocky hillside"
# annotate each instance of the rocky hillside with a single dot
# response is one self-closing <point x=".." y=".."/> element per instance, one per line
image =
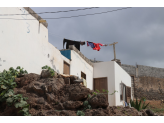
<point x="60" y="96"/>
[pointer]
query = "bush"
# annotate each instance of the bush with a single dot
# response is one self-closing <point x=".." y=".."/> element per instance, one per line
<point x="138" y="105"/>
<point x="7" y="86"/>
<point x="49" y="69"/>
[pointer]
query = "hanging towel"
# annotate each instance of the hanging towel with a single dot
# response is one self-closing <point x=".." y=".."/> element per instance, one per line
<point x="70" y="42"/>
<point x="90" y="44"/>
<point x="85" y="83"/>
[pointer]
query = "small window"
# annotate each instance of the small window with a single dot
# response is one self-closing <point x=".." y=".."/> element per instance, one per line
<point x="83" y="75"/>
<point x="121" y="91"/>
<point x="48" y="55"/>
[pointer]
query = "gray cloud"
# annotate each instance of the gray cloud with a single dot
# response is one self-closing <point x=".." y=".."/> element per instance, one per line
<point x="138" y="31"/>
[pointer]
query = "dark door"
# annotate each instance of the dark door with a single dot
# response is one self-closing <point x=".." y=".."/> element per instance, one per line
<point x="128" y="94"/>
<point x="66" y="68"/>
<point x="100" y="84"/>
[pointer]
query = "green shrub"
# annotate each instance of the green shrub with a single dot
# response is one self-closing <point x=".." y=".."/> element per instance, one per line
<point x="7" y="86"/>
<point x="49" y="69"/>
<point x="86" y="105"/>
<point x="138" y="105"/>
<point x="80" y="113"/>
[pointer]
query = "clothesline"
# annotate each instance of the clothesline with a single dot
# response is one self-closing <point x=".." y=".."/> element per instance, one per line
<point x="95" y="46"/>
<point x="54" y="34"/>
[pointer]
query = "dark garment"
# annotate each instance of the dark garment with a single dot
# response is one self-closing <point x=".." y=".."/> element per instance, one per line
<point x="70" y="42"/>
<point x="90" y="44"/>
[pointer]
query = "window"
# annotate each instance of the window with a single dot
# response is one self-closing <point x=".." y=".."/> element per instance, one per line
<point x="83" y="76"/>
<point x="121" y="91"/>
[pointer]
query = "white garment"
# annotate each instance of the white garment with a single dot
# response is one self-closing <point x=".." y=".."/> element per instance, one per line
<point x="85" y="83"/>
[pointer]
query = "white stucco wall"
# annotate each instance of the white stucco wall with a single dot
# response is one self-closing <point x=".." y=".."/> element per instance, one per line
<point x="120" y="76"/>
<point x="106" y="69"/>
<point x="115" y="74"/>
<point x="77" y="65"/>
<point x="23" y="43"/>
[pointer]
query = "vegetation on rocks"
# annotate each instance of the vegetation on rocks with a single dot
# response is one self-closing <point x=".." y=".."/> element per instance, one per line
<point x="86" y="103"/>
<point x="7" y="84"/>
<point x="49" y="69"/>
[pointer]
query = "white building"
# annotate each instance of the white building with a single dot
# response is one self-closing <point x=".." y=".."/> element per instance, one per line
<point x="24" y="42"/>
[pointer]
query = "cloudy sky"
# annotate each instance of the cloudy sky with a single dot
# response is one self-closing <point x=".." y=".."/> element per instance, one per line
<point x="138" y="31"/>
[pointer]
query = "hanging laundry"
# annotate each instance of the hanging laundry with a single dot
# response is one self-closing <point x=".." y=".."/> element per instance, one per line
<point x="82" y="42"/>
<point x="97" y="47"/>
<point x="75" y="43"/>
<point x="90" y="44"/>
<point x="84" y="82"/>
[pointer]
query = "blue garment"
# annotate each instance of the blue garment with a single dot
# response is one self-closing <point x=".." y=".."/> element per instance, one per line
<point x="126" y="104"/>
<point x="90" y="44"/>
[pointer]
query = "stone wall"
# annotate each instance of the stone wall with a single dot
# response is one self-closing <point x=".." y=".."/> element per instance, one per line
<point x="149" y="87"/>
<point x="146" y="81"/>
<point x="131" y="70"/>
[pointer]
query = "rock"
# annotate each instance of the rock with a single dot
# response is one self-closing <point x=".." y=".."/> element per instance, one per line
<point x="51" y="113"/>
<point x="40" y="100"/>
<point x="67" y="80"/>
<point x="78" y="81"/>
<point x="50" y="98"/>
<point x="67" y="113"/>
<point x="41" y="113"/>
<point x="71" y="105"/>
<point x="59" y="106"/>
<point x="47" y="106"/>
<point x="53" y="85"/>
<point x="55" y="75"/>
<point x="26" y="79"/>
<point x="72" y="78"/>
<point x="140" y="113"/>
<point x="36" y="87"/>
<point x="77" y="92"/>
<point x="46" y="74"/>
<point x="149" y="112"/>
<point x="98" y="100"/>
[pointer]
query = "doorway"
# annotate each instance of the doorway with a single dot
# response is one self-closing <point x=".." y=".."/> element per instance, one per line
<point x="66" y="68"/>
<point x="100" y="84"/>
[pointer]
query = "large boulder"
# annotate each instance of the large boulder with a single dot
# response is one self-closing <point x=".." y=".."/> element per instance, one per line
<point x="26" y="79"/>
<point x="77" y="92"/>
<point x="46" y="74"/>
<point x="36" y="87"/>
<point x="72" y="105"/>
<point x="53" y="85"/>
<point x="98" y="101"/>
<point x="73" y="78"/>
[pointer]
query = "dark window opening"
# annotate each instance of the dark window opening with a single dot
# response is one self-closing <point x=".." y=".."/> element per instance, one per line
<point x="83" y="76"/>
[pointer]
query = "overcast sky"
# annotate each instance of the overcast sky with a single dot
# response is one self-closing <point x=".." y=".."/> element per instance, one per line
<point x="138" y="31"/>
